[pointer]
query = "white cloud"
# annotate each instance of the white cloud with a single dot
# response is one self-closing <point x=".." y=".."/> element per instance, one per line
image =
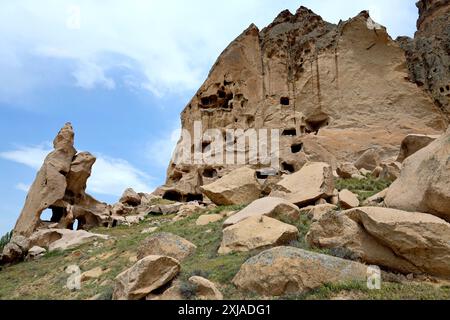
<point x="32" y="157"/>
<point x="173" y="43"/>
<point x="23" y="187"/>
<point x="110" y="176"/>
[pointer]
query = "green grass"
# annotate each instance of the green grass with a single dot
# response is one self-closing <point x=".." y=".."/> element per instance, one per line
<point x="45" y="278"/>
<point x="363" y="188"/>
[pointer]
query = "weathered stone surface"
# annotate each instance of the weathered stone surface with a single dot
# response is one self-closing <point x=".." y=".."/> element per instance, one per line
<point x="166" y="244"/>
<point x="315" y="213"/>
<point x="391" y="171"/>
<point x="145" y="276"/>
<point x="348" y="200"/>
<point x="424" y="183"/>
<point x="269" y="206"/>
<point x="287" y="270"/>
<point x="131" y="198"/>
<point x="398" y="240"/>
<point x="428" y="54"/>
<point x="208" y="218"/>
<point x="413" y="143"/>
<point x="60" y="185"/>
<point x="206" y="290"/>
<point x="304" y="76"/>
<point x="369" y="160"/>
<point x="63" y="239"/>
<point x="347" y="170"/>
<point x="313" y="182"/>
<point x="256" y="232"/>
<point x="35" y="253"/>
<point x="238" y="187"/>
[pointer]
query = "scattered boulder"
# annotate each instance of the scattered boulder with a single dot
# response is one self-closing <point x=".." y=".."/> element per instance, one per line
<point x="165" y="209"/>
<point x="256" y="232"/>
<point x="390" y="171"/>
<point x="131" y="198"/>
<point x="377" y="172"/>
<point x="63" y="239"/>
<point x="208" y="218"/>
<point x="347" y="170"/>
<point x="312" y="182"/>
<point x="269" y="206"/>
<point x="376" y="200"/>
<point x="35" y="253"/>
<point x="206" y="290"/>
<point x="93" y="274"/>
<point x="348" y="200"/>
<point x="315" y="213"/>
<point x="413" y="143"/>
<point x="398" y="240"/>
<point x="146" y="276"/>
<point x="238" y="187"/>
<point x="166" y="244"/>
<point x="369" y="160"/>
<point x="287" y="270"/>
<point x="149" y="230"/>
<point x="424" y="182"/>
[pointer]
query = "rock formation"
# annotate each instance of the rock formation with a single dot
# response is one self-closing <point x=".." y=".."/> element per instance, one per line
<point x="60" y="186"/>
<point x="428" y="54"/>
<point x="333" y="91"/>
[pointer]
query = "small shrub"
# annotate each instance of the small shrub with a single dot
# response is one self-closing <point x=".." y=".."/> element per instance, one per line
<point x="188" y="290"/>
<point x="364" y="188"/>
<point x="5" y="240"/>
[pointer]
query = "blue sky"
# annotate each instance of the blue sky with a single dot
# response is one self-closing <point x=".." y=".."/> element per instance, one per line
<point x="121" y="72"/>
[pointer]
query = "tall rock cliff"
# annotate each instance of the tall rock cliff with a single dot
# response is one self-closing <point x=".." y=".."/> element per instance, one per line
<point x="333" y="91"/>
<point x="428" y="54"/>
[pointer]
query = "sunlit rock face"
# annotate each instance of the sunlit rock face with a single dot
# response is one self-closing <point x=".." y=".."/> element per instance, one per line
<point x="332" y="91"/>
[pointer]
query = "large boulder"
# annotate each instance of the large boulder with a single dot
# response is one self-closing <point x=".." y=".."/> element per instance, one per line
<point x="206" y="290"/>
<point x="348" y="200"/>
<point x="347" y="170"/>
<point x="256" y="232"/>
<point x="397" y="240"/>
<point x="413" y="143"/>
<point x="287" y="270"/>
<point x="166" y="244"/>
<point x="131" y="198"/>
<point x="316" y="212"/>
<point x="238" y="187"/>
<point x="424" y="183"/>
<point x="369" y="160"/>
<point x="269" y="206"/>
<point x="63" y="239"/>
<point x="314" y="181"/>
<point x="146" y="276"/>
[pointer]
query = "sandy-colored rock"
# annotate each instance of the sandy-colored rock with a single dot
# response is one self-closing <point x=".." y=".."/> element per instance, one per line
<point x="256" y="232"/>
<point x="149" y="230"/>
<point x="377" y="172"/>
<point x="413" y="143"/>
<point x="208" y="218"/>
<point x="286" y="270"/>
<point x="312" y="182"/>
<point x="334" y="91"/>
<point x="391" y="171"/>
<point x="36" y="253"/>
<point x="269" y="206"/>
<point x="348" y="200"/>
<point x="376" y="199"/>
<point x="206" y="290"/>
<point x="63" y="239"/>
<point x="424" y="183"/>
<point x="60" y="186"/>
<point x="347" y="170"/>
<point x="131" y="198"/>
<point x="315" y="213"/>
<point x="409" y="242"/>
<point x="93" y="274"/>
<point x="369" y="160"/>
<point x="147" y="275"/>
<point x="238" y="187"/>
<point x="166" y="244"/>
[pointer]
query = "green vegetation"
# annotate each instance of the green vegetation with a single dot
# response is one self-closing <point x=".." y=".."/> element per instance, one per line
<point x="5" y="240"/>
<point x="363" y="188"/>
<point x="46" y="278"/>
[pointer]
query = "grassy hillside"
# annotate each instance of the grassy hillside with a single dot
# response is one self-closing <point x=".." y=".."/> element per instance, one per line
<point x="46" y="279"/>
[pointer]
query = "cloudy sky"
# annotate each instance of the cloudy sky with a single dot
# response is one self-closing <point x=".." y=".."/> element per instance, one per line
<point x="121" y="72"/>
